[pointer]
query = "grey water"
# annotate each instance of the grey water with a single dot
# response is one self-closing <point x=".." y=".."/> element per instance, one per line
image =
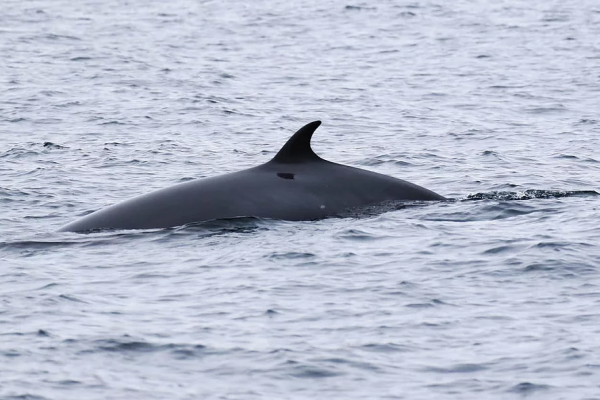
<point x="492" y="295"/>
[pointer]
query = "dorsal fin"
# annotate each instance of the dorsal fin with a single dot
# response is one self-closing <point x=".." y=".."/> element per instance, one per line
<point x="297" y="149"/>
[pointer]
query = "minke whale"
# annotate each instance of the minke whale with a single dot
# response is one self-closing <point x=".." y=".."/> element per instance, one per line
<point x="295" y="185"/>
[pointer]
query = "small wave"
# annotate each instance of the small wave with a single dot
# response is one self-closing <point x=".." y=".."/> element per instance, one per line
<point x="358" y="8"/>
<point x="25" y="396"/>
<point x="179" y="351"/>
<point x="503" y="249"/>
<point x="126" y="346"/>
<point x="488" y="212"/>
<point x="574" y="157"/>
<point x="560" y="268"/>
<point x="203" y="229"/>
<point x="7" y="194"/>
<point x="384" y="160"/>
<point x="407" y="14"/>
<point x="377" y="209"/>
<point x="531" y="194"/>
<point x="53" y="146"/>
<point x="291" y="255"/>
<point x="356" y="234"/>
<point x="384" y="348"/>
<point x="113" y="123"/>
<point x="458" y="369"/>
<point x="18" y="152"/>
<point x="34" y="245"/>
<point x="558" y="108"/>
<point x="527" y="388"/>
<point x="349" y="362"/>
<point x="587" y="121"/>
<point x="71" y="298"/>
<point x="430" y="304"/>
<point x="312" y="372"/>
<point x="225" y="225"/>
<point x="54" y="36"/>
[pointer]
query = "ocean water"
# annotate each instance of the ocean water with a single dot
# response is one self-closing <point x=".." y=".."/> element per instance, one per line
<point x="494" y="294"/>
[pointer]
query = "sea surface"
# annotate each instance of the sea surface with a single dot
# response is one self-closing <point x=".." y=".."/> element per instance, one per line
<point x="494" y="294"/>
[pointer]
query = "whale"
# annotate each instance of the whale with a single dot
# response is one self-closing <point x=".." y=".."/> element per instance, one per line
<point x="296" y="185"/>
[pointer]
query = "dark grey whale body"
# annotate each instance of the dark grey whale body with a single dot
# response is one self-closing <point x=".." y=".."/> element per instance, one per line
<point x="295" y="185"/>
